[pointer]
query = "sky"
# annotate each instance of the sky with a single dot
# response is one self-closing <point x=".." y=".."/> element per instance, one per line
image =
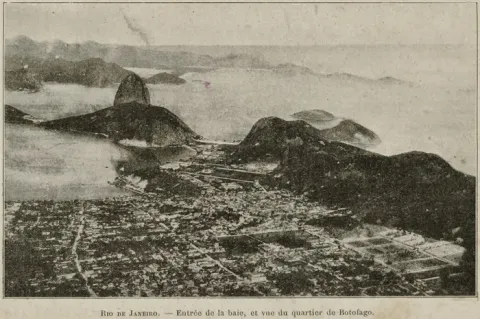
<point x="245" y="24"/>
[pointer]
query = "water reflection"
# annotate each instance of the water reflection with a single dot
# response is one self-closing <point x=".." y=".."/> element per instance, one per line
<point x="53" y="165"/>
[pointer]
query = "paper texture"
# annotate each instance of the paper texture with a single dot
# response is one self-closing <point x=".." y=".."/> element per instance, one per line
<point x="239" y="160"/>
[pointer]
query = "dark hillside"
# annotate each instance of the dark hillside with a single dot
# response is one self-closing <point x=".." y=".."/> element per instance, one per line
<point x="269" y="137"/>
<point x="165" y="78"/>
<point x="90" y="72"/>
<point x="22" y="80"/>
<point x="15" y="116"/>
<point x="314" y="116"/>
<point x="153" y="124"/>
<point x="351" y="132"/>
<point x="416" y="191"/>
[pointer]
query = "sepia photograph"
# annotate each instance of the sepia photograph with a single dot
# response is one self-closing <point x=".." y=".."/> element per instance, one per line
<point x="259" y="150"/>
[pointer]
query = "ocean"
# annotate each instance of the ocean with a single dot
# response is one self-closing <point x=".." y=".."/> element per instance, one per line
<point x="432" y="110"/>
<point x="52" y="165"/>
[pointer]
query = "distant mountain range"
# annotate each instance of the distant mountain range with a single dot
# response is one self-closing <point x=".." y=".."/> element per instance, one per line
<point x="21" y="50"/>
<point x="165" y="78"/>
<point x="125" y="55"/>
<point x="314" y="116"/>
<point x="355" y="78"/>
<point x="291" y="69"/>
<point x="343" y="130"/>
<point x="91" y="72"/>
<point x="30" y="72"/>
<point x="22" y="80"/>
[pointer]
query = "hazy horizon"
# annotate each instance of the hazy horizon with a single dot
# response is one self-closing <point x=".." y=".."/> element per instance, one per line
<point x="245" y="23"/>
<point x="252" y="45"/>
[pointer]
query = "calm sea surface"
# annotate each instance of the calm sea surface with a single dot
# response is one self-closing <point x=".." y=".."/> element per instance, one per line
<point x="41" y="164"/>
<point x="433" y="111"/>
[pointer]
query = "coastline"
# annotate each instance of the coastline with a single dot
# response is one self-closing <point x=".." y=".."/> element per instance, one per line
<point x="206" y="203"/>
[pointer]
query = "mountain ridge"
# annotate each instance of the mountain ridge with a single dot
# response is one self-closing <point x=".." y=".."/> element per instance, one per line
<point x="413" y="190"/>
<point x="154" y="57"/>
<point x="155" y="125"/>
<point x="93" y="72"/>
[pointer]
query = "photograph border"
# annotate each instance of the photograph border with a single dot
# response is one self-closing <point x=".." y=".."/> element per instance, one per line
<point x="476" y="296"/>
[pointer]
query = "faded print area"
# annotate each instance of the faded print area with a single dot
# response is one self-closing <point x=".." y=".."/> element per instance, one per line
<point x="280" y="150"/>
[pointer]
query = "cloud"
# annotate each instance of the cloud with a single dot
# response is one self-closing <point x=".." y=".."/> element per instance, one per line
<point x="136" y="29"/>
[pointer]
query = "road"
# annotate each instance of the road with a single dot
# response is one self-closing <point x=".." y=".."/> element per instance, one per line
<point x="75" y="255"/>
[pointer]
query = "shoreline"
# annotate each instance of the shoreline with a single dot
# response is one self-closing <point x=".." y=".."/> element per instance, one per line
<point x="154" y="231"/>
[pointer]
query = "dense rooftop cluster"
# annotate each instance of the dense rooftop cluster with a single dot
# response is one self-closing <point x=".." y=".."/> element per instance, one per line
<point x="229" y="238"/>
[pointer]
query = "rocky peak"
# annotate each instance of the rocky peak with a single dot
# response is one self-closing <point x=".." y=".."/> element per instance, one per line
<point x="132" y="89"/>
